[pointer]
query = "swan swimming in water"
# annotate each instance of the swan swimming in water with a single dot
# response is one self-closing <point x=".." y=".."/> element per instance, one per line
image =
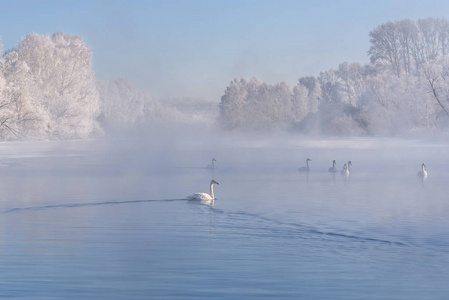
<point x="305" y="169"/>
<point x="204" y="197"/>
<point x="423" y="172"/>
<point x="349" y="165"/>
<point x="212" y="166"/>
<point x="345" y="170"/>
<point x="333" y="169"/>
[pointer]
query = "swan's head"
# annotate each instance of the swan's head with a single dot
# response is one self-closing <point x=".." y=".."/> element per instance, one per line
<point x="349" y="163"/>
<point x="308" y="159"/>
<point x="424" y="165"/>
<point x="334" y="162"/>
<point x="345" y="166"/>
<point x="214" y="182"/>
<point x="213" y="159"/>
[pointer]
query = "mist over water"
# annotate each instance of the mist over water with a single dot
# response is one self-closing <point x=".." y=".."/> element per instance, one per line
<point x="106" y="219"/>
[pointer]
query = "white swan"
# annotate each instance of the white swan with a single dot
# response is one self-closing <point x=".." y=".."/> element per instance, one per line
<point x="423" y="172"/>
<point x="305" y="169"/>
<point x="204" y="197"/>
<point x="212" y="166"/>
<point x="333" y="169"/>
<point x="345" y="170"/>
<point x="349" y="165"/>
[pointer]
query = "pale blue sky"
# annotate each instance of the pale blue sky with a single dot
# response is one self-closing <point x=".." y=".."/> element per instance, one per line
<point x="195" y="48"/>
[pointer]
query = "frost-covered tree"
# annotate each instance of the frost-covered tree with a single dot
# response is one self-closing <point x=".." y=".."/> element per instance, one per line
<point x="122" y="104"/>
<point x="21" y="116"/>
<point x="408" y="35"/>
<point x="299" y="102"/>
<point x="331" y="87"/>
<point x="404" y="46"/>
<point x="305" y="98"/>
<point x="313" y="92"/>
<point x="385" y="47"/>
<point x="269" y="105"/>
<point x="436" y="77"/>
<point x="233" y="104"/>
<point x="60" y="68"/>
<point x="405" y="89"/>
<point x="255" y="104"/>
<point x="429" y="31"/>
<point x="125" y="107"/>
<point x="2" y="61"/>
<point x="281" y="103"/>
<point x="352" y="79"/>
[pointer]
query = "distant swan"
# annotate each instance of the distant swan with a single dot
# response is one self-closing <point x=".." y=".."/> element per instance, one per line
<point x="204" y="197"/>
<point x="349" y="166"/>
<point x="345" y="170"/>
<point x="333" y="169"/>
<point x="212" y="166"/>
<point x="423" y="172"/>
<point x="305" y="169"/>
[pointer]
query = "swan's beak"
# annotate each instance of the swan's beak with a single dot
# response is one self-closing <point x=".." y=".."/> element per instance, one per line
<point x="216" y="182"/>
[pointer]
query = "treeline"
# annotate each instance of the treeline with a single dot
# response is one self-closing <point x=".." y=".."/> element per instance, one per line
<point x="124" y="107"/>
<point x="256" y="104"/>
<point x="48" y="91"/>
<point x="405" y="89"/>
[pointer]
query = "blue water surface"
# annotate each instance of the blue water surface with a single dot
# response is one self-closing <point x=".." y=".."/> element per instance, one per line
<point x="85" y="220"/>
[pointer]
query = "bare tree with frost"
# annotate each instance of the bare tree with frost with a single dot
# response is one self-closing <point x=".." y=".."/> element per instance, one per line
<point x="21" y="116"/>
<point x="436" y="77"/>
<point x="60" y="68"/>
<point x="385" y="47"/>
<point x="404" y="46"/>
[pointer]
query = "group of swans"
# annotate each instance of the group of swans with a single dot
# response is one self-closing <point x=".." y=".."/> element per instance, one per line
<point x="347" y="168"/>
<point x="209" y="198"/>
<point x="333" y="169"/>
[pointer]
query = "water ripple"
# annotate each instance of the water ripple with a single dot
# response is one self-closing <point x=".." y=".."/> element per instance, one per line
<point x="72" y="205"/>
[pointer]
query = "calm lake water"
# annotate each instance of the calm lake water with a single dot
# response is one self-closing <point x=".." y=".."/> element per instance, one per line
<point x="106" y="220"/>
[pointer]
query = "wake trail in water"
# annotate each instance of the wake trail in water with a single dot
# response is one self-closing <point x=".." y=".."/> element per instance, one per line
<point x="305" y="229"/>
<point x="297" y="228"/>
<point x="72" y="205"/>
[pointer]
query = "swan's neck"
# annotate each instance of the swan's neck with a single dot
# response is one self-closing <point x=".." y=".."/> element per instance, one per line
<point x="423" y="168"/>
<point x="307" y="164"/>
<point x="212" y="190"/>
<point x="213" y="166"/>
